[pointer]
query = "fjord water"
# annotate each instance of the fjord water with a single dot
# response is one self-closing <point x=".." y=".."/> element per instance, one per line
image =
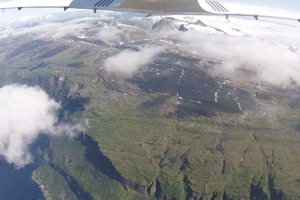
<point x="16" y="184"/>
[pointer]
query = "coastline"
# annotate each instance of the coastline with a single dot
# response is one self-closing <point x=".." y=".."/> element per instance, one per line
<point x="42" y="187"/>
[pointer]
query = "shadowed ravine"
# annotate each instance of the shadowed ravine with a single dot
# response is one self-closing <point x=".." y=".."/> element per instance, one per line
<point x="73" y="184"/>
<point x="95" y="156"/>
<point x="100" y="161"/>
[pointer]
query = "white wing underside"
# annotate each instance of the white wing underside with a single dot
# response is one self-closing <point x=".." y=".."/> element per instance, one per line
<point x="195" y="7"/>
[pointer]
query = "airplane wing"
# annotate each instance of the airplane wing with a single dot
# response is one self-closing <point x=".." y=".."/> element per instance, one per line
<point x="234" y="9"/>
<point x="195" y="7"/>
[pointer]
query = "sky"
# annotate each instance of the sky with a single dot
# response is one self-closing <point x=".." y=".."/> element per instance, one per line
<point x="10" y="14"/>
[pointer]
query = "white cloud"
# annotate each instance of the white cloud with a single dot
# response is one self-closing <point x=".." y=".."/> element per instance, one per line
<point x="25" y="113"/>
<point x="109" y="34"/>
<point x="269" y="50"/>
<point x="128" y="61"/>
<point x="271" y="61"/>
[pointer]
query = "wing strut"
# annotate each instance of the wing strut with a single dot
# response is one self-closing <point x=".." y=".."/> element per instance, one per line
<point x="255" y="17"/>
<point x="19" y="8"/>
